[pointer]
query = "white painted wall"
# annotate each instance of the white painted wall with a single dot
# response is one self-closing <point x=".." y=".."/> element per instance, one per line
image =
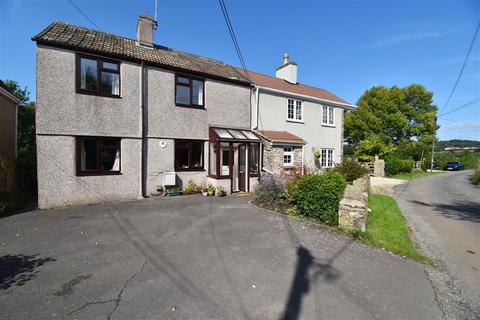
<point x="272" y="115"/>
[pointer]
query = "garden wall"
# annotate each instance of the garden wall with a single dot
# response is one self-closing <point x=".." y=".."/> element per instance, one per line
<point x="353" y="208"/>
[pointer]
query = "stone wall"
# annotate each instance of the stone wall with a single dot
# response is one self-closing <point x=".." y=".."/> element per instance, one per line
<point x="353" y="209"/>
<point x="273" y="158"/>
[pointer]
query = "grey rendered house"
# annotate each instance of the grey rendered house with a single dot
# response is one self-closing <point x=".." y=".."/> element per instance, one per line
<point x="121" y="118"/>
<point x="8" y="123"/>
<point x="295" y="121"/>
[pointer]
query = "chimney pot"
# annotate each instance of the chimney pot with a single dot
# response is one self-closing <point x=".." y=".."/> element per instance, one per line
<point x="285" y="58"/>
<point x="145" y="27"/>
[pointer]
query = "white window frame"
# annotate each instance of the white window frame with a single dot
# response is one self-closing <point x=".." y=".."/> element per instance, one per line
<point x="328" y="116"/>
<point x="297" y="104"/>
<point x="327" y="158"/>
<point x="288" y="153"/>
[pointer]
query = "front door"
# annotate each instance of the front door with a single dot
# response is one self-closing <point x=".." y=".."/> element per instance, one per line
<point x="241" y="167"/>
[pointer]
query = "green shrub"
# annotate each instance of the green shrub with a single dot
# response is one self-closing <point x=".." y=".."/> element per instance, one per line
<point x="394" y="165"/>
<point x="317" y="196"/>
<point x="191" y="187"/>
<point x="351" y="170"/>
<point x="475" y="178"/>
<point x="270" y="191"/>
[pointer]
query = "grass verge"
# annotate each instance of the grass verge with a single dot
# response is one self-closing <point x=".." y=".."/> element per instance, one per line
<point x="387" y="228"/>
<point x="414" y="174"/>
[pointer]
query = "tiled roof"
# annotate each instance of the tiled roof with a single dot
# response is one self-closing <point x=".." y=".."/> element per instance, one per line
<point x="73" y="37"/>
<point x="303" y="89"/>
<point x="280" y="136"/>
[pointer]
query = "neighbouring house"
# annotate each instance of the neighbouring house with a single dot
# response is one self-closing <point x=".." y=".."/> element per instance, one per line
<point x="121" y="118"/>
<point x="295" y="120"/>
<point x="8" y="123"/>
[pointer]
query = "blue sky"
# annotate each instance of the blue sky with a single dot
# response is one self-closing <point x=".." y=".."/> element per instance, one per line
<point x="343" y="46"/>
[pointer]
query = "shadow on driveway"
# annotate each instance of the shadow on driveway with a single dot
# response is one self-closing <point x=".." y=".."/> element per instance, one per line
<point x="457" y="210"/>
<point x="16" y="270"/>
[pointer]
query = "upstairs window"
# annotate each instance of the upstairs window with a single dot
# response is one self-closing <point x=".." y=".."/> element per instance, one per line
<point x="188" y="155"/>
<point x="98" y="76"/>
<point x="294" y="110"/>
<point x="98" y="156"/>
<point x="328" y="113"/>
<point x="189" y="92"/>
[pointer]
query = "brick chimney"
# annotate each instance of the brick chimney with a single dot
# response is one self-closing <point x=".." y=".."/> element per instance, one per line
<point x="288" y="70"/>
<point x="145" y="27"/>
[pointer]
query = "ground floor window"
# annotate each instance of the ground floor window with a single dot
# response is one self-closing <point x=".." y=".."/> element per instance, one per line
<point x="327" y="158"/>
<point x="98" y="156"/>
<point x="288" y="156"/>
<point x="188" y="155"/>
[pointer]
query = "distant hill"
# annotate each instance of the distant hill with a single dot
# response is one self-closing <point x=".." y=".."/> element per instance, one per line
<point x="441" y="145"/>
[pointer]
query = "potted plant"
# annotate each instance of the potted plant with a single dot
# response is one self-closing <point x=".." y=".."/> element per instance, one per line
<point x="175" y="191"/>
<point x="211" y="189"/>
<point x="317" y="153"/>
<point x="221" y="191"/>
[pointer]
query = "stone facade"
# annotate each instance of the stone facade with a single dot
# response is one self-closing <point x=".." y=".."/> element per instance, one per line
<point x="353" y="209"/>
<point x="273" y="158"/>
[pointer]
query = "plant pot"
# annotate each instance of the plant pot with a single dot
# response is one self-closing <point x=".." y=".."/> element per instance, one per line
<point x="174" y="193"/>
<point x="204" y="193"/>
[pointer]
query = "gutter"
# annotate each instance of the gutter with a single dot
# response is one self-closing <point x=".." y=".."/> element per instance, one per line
<point x="144" y="132"/>
<point x="305" y="97"/>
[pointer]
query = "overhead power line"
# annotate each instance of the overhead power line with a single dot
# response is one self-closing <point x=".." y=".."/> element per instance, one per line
<point x="234" y="37"/>
<point x="461" y="107"/>
<point x="84" y="15"/>
<point x="463" y="67"/>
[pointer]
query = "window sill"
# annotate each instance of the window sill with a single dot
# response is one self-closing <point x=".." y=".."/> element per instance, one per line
<point x="328" y="125"/>
<point x="88" y="174"/>
<point x="220" y="177"/>
<point x="189" y="170"/>
<point x="190" y="106"/>
<point x="88" y="93"/>
<point x="295" y="121"/>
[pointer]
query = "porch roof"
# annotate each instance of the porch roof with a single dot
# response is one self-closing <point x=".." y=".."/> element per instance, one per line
<point x="236" y="135"/>
<point x="280" y="137"/>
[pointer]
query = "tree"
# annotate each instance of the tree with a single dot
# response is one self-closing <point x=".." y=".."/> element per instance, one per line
<point x="402" y="118"/>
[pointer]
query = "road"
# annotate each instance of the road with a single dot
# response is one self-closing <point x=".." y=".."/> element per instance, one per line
<point x="194" y="257"/>
<point x="444" y="212"/>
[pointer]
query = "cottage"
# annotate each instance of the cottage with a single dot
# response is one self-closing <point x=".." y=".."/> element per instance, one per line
<point x="118" y="118"/>
<point x="301" y="125"/>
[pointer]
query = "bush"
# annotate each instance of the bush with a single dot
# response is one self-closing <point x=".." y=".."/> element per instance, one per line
<point x="191" y="187"/>
<point x="475" y="178"/>
<point x="351" y="170"/>
<point x="317" y="196"/>
<point x="394" y="165"/>
<point x="270" y="191"/>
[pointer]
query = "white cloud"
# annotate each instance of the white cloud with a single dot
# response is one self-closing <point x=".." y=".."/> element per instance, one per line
<point x="467" y="129"/>
<point x="405" y="37"/>
<point x="472" y="124"/>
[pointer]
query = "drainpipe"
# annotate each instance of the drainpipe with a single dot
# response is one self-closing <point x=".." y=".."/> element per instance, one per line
<point x="303" y="159"/>
<point x="144" y="133"/>
<point x="256" y="107"/>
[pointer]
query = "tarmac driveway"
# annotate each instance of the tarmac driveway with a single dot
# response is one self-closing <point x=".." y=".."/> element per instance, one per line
<point x="193" y="257"/>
